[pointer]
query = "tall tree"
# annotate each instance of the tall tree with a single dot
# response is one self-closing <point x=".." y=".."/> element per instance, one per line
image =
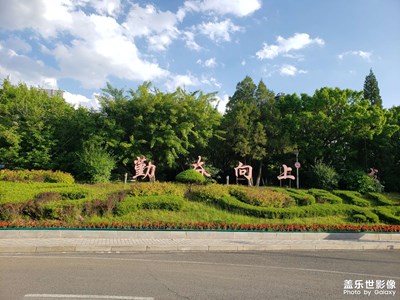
<point x="371" y="90"/>
<point x="245" y="132"/>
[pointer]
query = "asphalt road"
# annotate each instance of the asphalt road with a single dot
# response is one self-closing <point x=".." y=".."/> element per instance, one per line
<point x="245" y="275"/>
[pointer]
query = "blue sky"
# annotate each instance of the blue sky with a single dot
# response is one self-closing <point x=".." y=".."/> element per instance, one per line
<point x="293" y="46"/>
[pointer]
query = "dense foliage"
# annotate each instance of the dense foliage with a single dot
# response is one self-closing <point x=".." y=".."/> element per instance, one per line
<point x="334" y="131"/>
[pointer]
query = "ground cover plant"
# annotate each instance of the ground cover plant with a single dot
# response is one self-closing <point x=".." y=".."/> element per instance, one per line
<point x="174" y="206"/>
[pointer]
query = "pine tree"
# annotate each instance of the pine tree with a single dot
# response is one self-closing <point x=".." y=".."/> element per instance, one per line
<point x="371" y="89"/>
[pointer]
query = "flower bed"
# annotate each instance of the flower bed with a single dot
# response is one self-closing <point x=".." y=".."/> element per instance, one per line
<point x="199" y="226"/>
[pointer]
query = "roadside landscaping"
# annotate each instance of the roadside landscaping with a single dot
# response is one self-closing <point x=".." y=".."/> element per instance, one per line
<point x="175" y="206"/>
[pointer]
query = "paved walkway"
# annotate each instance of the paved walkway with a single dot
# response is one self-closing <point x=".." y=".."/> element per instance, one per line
<point x="23" y="241"/>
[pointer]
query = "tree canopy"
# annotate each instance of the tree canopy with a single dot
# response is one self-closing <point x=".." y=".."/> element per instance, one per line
<point x="339" y="128"/>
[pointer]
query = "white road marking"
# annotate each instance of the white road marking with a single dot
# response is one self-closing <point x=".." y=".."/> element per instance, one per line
<point x="64" y="296"/>
<point x="207" y="264"/>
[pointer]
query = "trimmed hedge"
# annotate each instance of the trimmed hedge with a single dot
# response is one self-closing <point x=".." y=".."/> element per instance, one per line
<point x="157" y="188"/>
<point x="388" y="215"/>
<point x="300" y="196"/>
<point x="261" y="196"/>
<point x="380" y="199"/>
<point x="352" y="198"/>
<point x="323" y="196"/>
<point x="36" y="176"/>
<point x="165" y="202"/>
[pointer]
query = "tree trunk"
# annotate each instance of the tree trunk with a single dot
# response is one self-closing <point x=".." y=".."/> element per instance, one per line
<point x="259" y="174"/>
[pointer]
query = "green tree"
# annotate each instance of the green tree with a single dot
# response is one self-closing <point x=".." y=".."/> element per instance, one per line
<point x="28" y="121"/>
<point x="245" y="132"/>
<point x="371" y="90"/>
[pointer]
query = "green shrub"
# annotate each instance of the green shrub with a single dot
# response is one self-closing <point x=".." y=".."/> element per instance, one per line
<point x="322" y="196"/>
<point x="36" y="176"/>
<point x="359" y="218"/>
<point x="324" y="176"/>
<point x="261" y="196"/>
<point x="104" y="207"/>
<point x="359" y="181"/>
<point x="165" y="202"/>
<point x="60" y="211"/>
<point x="207" y="193"/>
<point x="371" y="217"/>
<point x="387" y="215"/>
<point x="233" y="205"/>
<point x="73" y="195"/>
<point x="300" y="196"/>
<point x="156" y="188"/>
<point x="380" y="199"/>
<point x="94" y="163"/>
<point x="352" y="198"/>
<point x="171" y="203"/>
<point x="190" y="176"/>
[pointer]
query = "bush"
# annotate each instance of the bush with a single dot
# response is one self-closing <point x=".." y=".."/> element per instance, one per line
<point x="261" y="197"/>
<point x="322" y="196"/>
<point x="380" y="199"/>
<point x="353" y="198"/>
<point x="9" y="211"/>
<point x="104" y="207"/>
<point x="190" y="176"/>
<point x="36" y="176"/>
<point x="371" y="217"/>
<point x="171" y="203"/>
<point x="324" y="176"/>
<point x="359" y="218"/>
<point x="300" y="196"/>
<point x="156" y="188"/>
<point x="387" y="215"/>
<point x="94" y="163"/>
<point x="360" y="182"/>
<point x="166" y="202"/>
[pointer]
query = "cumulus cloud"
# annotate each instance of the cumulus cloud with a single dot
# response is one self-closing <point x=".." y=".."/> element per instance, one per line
<point x="20" y="67"/>
<point x="238" y="8"/>
<point x="284" y="46"/>
<point x="289" y="70"/>
<point x="182" y="81"/>
<point x="160" y="28"/>
<point x="80" y="100"/>
<point x="219" y="31"/>
<point x="362" y="54"/>
<point x="90" y="47"/>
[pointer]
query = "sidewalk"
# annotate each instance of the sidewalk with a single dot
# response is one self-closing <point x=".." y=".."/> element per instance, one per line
<point x="34" y="241"/>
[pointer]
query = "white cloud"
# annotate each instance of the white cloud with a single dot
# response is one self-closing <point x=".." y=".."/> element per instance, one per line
<point x="97" y="46"/>
<point x="222" y="102"/>
<point x="362" y="54"/>
<point x="283" y="46"/>
<point x="160" y="28"/>
<point x="289" y="70"/>
<point x="188" y="36"/>
<point x="23" y="68"/>
<point x="208" y="63"/>
<point x="80" y="100"/>
<point x="211" y="81"/>
<point x="239" y="8"/>
<point x="211" y="62"/>
<point x="109" y="7"/>
<point x="243" y="63"/>
<point x="219" y="31"/>
<point x="182" y="81"/>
